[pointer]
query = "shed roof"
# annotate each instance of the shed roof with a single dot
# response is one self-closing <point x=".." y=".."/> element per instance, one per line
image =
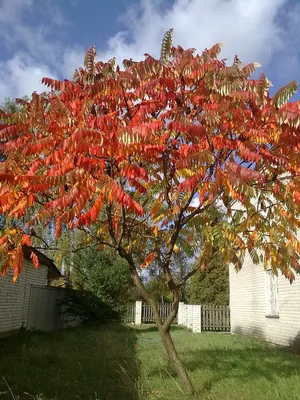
<point x="53" y="272"/>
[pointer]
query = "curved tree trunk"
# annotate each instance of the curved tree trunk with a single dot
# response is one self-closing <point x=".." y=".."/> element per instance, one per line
<point x="163" y="327"/>
<point x="164" y="331"/>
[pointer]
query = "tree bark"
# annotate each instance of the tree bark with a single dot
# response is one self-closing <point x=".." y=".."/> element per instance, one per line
<point x="177" y="363"/>
<point x="163" y="327"/>
<point x="164" y="331"/>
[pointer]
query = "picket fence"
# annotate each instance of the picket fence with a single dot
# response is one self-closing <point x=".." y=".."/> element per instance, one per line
<point x="163" y="309"/>
<point x="213" y="317"/>
<point x="146" y="313"/>
<point x="129" y="314"/>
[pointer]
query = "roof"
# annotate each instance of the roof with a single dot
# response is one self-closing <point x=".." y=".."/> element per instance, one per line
<point x="53" y="272"/>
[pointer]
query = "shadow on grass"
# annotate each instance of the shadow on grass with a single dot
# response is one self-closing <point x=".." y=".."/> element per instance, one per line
<point x="244" y="364"/>
<point x="82" y="363"/>
<point x="153" y="328"/>
<point x="235" y="357"/>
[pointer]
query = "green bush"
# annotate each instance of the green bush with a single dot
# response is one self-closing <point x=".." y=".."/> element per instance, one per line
<point x="87" y="307"/>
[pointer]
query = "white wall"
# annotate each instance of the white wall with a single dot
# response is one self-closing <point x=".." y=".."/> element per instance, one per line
<point x="14" y="297"/>
<point x="189" y="315"/>
<point x="248" y="306"/>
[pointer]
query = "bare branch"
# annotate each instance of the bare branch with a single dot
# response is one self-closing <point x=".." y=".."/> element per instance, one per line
<point x="97" y="238"/>
<point x="33" y="234"/>
<point x="188" y="276"/>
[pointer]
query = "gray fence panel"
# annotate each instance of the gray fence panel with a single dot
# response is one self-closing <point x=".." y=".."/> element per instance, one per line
<point x="215" y="318"/>
<point x="163" y="309"/>
<point x="45" y="312"/>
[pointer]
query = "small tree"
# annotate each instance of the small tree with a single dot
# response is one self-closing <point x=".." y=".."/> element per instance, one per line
<point x="137" y="156"/>
<point x="179" y="267"/>
<point x="104" y="274"/>
<point x="211" y="286"/>
<point x="159" y="289"/>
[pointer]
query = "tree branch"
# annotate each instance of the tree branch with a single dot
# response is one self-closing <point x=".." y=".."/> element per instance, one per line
<point x="33" y="234"/>
<point x="187" y="276"/>
<point x="135" y="276"/>
<point x="110" y="225"/>
<point x="198" y="211"/>
<point x="98" y="238"/>
<point x="170" y="318"/>
<point x="126" y="102"/>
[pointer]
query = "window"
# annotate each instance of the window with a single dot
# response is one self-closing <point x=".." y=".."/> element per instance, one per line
<point x="272" y="309"/>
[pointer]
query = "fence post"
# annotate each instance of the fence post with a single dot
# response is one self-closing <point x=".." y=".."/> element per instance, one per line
<point x="184" y="315"/>
<point x="138" y="313"/>
<point x="180" y="313"/>
<point x="196" y="319"/>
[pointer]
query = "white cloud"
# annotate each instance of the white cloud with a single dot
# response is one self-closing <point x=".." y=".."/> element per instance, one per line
<point x="40" y="55"/>
<point x="56" y="14"/>
<point x="195" y="202"/>
<point x="12" y="10"/>
<point x="251" y="28"/>
<point x="21" y="75"/>
<point x="267" y="31"/>
<point x="72" y="58"/>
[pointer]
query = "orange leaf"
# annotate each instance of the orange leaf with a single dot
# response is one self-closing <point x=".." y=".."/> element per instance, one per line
<point x="25" y="240"/>
<point x="148" y="260"/>
<point x="34" y="259"/>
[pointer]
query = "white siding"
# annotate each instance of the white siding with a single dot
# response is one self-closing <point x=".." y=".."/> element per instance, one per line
<point x="248" y="306"/>
<point x="14" y="297"/>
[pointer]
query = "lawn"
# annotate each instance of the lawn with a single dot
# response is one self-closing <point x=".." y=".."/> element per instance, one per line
<point x="119" y="362"/>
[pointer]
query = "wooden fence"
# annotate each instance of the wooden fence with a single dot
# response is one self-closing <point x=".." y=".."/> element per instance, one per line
<point x="163" y="309"/>
<point x="215" y="318"/>
<point x="45" y="311"/>
<point x="129" y="315"/>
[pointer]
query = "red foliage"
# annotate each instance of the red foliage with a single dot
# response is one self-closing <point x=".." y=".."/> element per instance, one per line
<point x="34" y="259"/>
<point x="126" y="151"/>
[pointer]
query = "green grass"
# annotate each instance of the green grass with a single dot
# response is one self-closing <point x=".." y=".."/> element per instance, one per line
<point x="120" y="362"/>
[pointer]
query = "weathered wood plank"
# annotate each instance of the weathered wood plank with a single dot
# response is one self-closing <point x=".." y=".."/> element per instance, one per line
<point x="215" y="318"/>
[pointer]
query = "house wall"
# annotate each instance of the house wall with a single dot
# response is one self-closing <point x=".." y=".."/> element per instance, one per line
<point x="14" y="298"/>
<point x="248" y="306"/>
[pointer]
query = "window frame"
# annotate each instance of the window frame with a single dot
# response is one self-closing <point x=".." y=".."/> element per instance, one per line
<point x="271" y="295"/>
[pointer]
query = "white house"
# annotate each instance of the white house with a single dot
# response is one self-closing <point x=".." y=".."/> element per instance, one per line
<point x="264" y="305"/>
<point x="14" y="297"/>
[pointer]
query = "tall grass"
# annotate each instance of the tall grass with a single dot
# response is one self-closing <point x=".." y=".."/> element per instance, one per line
<point x="119" y="362"/>
<point x="84" y="363"/>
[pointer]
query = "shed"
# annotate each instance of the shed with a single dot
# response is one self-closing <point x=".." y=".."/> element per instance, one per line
<point x="14" y="297"/>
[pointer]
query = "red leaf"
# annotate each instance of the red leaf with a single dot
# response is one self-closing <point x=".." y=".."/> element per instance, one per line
<point x="190" y="183"/>
<point x="197" y="130"/>
<point x="25" y="240"/>
<point x="34" y="259"/>
<point x="57" y="227"/>
<point x="245" y="174"/>
<point x="148" y="260"/>
<point x="17" y="259"/>
<point x="53" y="83"/>
<point x="121" y="197"/>
<point x="297" y="196"/>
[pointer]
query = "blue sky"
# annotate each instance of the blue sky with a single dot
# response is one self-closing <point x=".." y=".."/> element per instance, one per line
<point x="49" y="37"/>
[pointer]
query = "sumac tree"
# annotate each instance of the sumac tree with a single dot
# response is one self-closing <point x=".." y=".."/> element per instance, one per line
<point x="136" y="156"/>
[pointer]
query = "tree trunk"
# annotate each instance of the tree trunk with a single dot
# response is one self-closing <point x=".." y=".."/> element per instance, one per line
<point x="177" y="363"/>
<point x="163" y="328"/>
<point x="168" y="342"/>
